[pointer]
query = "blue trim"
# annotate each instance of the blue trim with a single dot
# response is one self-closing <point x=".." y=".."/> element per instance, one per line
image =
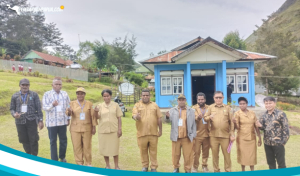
<point x="224" y="83"/>
<point x="188" y="90"/>
<point x="7" y="171"/>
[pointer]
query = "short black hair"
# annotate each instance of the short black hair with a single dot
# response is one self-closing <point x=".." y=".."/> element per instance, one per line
<point x="269" y="99"/>
<point x="146" y="90"/>
<point x="106" y="91"/>
<point x="200" y="94"/>
<point x="242" y="99"/>
<point x="218" y="92"/>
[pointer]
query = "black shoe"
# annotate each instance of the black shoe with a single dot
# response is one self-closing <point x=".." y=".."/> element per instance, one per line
<point x="63" y="160"/>
<point x="153" y="170"/>
<point x="176" y="170"/>
<point x="144" y="169"/>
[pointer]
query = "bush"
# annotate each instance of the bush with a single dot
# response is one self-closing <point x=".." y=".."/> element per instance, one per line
<point x="135" y="78"/>
<point x="145" y="84"/>
<point x="36" y="74"/>
<point x="105" y="79"/>
<point x="285" y="106"/>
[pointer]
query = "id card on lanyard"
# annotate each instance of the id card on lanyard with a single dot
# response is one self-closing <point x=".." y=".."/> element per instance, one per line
<point x="180" y="119"/>
<point x="24" y="101"/>
<point x="82" y="114"/>
<point x="203" y="112"/>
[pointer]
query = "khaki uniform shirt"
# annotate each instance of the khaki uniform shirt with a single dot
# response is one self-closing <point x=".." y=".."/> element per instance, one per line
<point x="108" y="122"/>
<point x="202" y="129"/>
<point x="182" y="130"/>
<point x="221" y="125"/>
<point x="150" y="114"/>
<point x="78" y="125"/>
<point x="246" y="125"/>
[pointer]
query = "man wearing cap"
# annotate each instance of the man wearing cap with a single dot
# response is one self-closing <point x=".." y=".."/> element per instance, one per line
<point x="148" y="121"/>
<point x="183" y="132"/>
<point x="201" y="142"/>
<point x="222" y="130"/>
<point x="55" y="104"/>
<point x="25" y="107"/>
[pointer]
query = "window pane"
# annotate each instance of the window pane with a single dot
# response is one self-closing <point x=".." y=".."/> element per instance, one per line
<point x="163" y="81"/>
<point x="175" y="81"/>
<point x="245" y="87"/>
<point x="180" y="89"/>
<point x="169" y="81"/>
<point x="175" y="89"/>
<point x="168" y="89"/>
<point x="239" y="87"/>
<point x="244" y="79"/>
<point x="239" y="79"/>
<point x="227" y="80"/>
<point x="179" y="81"/>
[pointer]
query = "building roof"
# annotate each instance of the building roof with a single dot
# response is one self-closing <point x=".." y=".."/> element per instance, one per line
<point x="141" y="69"/>
<point x="69" y="62"/>
<point x="44" y="56"/>
<point x="149" y="77"/>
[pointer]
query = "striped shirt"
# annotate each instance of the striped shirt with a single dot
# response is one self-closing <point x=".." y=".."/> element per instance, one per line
<point x="55" y="116"/>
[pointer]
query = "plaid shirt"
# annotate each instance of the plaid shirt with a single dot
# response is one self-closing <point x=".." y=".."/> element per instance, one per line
<point x="34" y="110"/>
<point x="54" y="117"/>
<point x="275" y="127"/>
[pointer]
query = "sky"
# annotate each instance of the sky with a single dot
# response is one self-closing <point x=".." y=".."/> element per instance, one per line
<point x="157" y="24"/>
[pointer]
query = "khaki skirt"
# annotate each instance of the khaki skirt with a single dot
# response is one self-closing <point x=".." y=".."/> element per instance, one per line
<point x="246" y="152"/>
<point x="109" y="144"/>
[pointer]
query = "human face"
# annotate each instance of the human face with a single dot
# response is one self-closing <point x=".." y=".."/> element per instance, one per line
<point x="145" y="97"/>
<point x="201" y="101"/>
<point x="181" y="102"/>
<point x="24" y="88"/>
<point x="270" y="105"/>
<point x="243" y="105"/>
<point x="57" y="85"/>
<point x="106" y="97"/>
<point x="80" y="96"/>
<point x="218" y="98"/>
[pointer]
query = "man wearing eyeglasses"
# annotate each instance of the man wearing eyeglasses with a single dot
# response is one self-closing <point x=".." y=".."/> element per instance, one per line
<point x="25" y="107"/>
<point x="222" y="130"/>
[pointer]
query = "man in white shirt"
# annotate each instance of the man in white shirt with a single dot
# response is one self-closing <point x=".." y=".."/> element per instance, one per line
<point x="55" y="103"/>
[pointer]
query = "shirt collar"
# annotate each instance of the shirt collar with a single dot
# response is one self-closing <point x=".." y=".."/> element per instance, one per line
<point x="218" y="106"/>
<point x="181" y="108"/>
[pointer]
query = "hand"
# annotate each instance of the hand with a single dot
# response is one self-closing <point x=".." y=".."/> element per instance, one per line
<point x="159" y="133"/>
<point x="138" y="116"/>
<point x="93" y="130"/>
<point x="96" y="109"/>
<point x="234" y="119"/>
<point x="259" y="143"/>
<point x="41" y="125"/>
<point x="55" y="103"/>
<point x="17" y="115"/>
<point x="70" y="110"/>
<point x="200" y="116"/>
<point x="258" y="124"/>
<point x="232" y="138"/>
<point x="168" y="114"/>
<point x="119" y="133"/>
<point x="212" y="116"/>
<point x="68" y="123"/>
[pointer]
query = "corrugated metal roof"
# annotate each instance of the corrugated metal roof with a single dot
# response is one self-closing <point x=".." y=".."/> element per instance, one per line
<point x="50" y="58"/>
<point x="254" y="55"/>
<point x="166" y="57"/>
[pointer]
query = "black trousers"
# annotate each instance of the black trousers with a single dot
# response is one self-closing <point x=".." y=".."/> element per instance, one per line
<point x="61" y="132"/>
<point x="29" y="137"/>
<point x="273" y="154"/>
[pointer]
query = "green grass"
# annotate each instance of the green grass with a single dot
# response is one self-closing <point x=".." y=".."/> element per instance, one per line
<point x="129" y="151"/>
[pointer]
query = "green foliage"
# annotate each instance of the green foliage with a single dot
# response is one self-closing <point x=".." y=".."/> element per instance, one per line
<point x="105" y="79"/>
<point x="138" y="79"/>
<point x="144" y="84"/>
<point x="234" y="40"/>
<point x="101" y="54"/>
<point x="285" y="106"/>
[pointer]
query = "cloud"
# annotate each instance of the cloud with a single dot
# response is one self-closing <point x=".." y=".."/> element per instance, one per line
<point x="157" y="24"/>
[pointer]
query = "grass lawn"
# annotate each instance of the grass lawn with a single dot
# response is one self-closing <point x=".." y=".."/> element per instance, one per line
<point x="129" y="151"/>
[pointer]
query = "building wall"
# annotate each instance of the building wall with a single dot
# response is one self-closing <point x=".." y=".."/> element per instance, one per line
<point x="163" y="100"/>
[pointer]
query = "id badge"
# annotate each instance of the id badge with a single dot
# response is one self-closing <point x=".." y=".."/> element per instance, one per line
<point x="204" y="121"/>
<point x="23" y="108"/>
<point x="58" y="108"/>
<point x="82" y="116"/>
<point x="180" y="122"/>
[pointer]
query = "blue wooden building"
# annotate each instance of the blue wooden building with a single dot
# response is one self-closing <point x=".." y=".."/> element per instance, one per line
<point x="204" y="65"/>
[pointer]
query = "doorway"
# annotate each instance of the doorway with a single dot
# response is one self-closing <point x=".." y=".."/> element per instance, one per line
<point x="204" y="84"/>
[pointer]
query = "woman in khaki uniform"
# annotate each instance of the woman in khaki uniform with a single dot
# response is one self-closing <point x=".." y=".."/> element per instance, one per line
<point x="83" y="126"/>
<point x="110" y="128"/>
<point x="244" y="121"/>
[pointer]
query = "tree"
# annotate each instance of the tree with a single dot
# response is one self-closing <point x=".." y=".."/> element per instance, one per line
<point x="101" y="54"/>
<point x="279" y="74"/>
<point x="234" y="40"/>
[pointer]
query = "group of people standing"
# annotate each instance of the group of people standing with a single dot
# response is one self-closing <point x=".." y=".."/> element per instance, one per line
<point x="20" y="68"/>
<point x="193" y="130"/>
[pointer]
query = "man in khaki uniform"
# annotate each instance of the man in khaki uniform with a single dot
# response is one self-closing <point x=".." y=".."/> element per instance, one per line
<point x="183" y="132"/>
<point x="222" y="130"/>
<point x="202" y="138"/>
<point x="148" y="120"/>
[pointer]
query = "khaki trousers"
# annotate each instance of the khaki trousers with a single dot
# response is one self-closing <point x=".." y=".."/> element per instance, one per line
<point x="215" y="143"/>
<point x="204" y="145"/>
<point x="187" y="148"/>
<point x="148" y="144"/>
<point x="82" y="146"/>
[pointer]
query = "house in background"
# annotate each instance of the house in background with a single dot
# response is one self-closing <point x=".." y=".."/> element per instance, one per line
<point x="43" y="58"/>
<point x="204" y="65"/>
<point x="150" y="80"/>
<point x="142" y="70"/>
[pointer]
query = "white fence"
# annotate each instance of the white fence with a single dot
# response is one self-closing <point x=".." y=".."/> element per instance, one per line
<point x="47" y="69"/>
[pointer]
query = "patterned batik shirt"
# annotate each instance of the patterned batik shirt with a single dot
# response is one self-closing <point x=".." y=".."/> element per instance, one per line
<point x="34" y="109"/>
<point x="55" y="116"/>
<point x="275" y="127"/>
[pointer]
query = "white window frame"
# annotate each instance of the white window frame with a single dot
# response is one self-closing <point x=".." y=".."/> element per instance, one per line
<point x="234" y="82"/>
<point x="247" y="84"/>
<point x="161" y="85"/>
<point x="177" y="77"/>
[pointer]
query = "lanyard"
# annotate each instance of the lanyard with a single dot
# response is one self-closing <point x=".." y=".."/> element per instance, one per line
<point x="80" y="105"/>
<point x="23" y="99"/>
<point x="203" y="112"/>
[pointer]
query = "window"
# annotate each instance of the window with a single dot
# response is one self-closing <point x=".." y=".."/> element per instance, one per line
<point x="166" y="86"/>
<point x="177" y="85"/>
<point x="231" y="80"/>
<point x="242" y="83"/>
